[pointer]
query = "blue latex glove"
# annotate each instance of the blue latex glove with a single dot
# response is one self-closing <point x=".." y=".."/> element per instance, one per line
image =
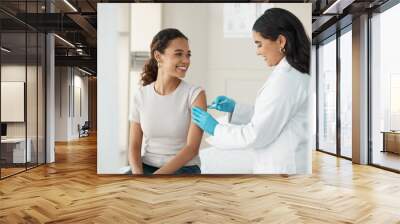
<point x="204" y="120"/>
<point x="223" y="103"/>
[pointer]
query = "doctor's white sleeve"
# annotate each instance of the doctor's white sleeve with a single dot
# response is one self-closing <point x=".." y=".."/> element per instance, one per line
<point x="274" y="108"/>
<point x="242" y="114"/>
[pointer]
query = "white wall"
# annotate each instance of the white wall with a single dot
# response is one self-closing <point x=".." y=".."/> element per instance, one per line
<point x="192" y="21"/>
<point x="233" y="66"/>
<point x="67" y="81"/>
<point x="61" y="103"/>
<point x="113" y="29"/>
<point x="143" y="30"/>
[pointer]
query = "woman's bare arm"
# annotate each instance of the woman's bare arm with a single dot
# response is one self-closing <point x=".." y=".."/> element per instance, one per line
<point x="191" y="149"/>
<point x="135" y="147"/>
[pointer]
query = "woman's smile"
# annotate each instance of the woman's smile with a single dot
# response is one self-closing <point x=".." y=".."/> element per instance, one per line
<point x="182" y="68"/>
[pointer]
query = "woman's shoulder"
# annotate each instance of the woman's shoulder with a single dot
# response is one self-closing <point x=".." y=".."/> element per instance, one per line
<point x="288" y="80"/>
<point x="284" y="67"/>
<point x="291" y="74"/>
<point x="191" y="91"/>
<point x="140" y="91"/>
<point x="189" y="87"/>
<point x="147" y="88"/>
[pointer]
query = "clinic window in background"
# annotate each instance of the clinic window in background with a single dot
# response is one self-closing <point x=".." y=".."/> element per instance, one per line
<point x="327" y="95"/>
<point x="334" y="70"/>
<point x="22" y="77"/>
<point x="385" y="89"/>
<point x="345" y="56"/>
<point x="313" y="74"/>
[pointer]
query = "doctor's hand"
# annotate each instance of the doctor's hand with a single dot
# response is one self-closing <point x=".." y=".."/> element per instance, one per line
<point x="204" y="120"/>
<point x="223" y="103"/>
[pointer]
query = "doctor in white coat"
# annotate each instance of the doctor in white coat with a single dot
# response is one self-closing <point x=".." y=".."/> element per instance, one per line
<point x="277" y="126"/>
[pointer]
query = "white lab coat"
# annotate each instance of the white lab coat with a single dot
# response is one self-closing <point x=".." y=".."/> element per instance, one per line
<point x="276" y="127"/>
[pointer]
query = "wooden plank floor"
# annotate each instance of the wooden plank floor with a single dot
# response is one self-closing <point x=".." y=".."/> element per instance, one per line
<point x="10" y="171"/>
<point x="70" y="191"/>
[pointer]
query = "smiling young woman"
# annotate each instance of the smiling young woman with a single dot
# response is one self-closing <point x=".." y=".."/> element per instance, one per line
<point x="160" y="115"/>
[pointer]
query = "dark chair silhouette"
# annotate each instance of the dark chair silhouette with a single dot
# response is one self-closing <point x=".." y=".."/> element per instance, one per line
<point x="84" y="130"/>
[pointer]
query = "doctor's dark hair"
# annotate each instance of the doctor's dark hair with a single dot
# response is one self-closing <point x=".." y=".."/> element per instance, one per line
<point x="159" y="43"/>
<point x="275" y="22"/>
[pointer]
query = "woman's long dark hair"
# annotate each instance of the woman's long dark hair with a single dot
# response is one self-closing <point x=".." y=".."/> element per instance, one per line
<point x="275" y="22"/>
<point x="159" y="43"/>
